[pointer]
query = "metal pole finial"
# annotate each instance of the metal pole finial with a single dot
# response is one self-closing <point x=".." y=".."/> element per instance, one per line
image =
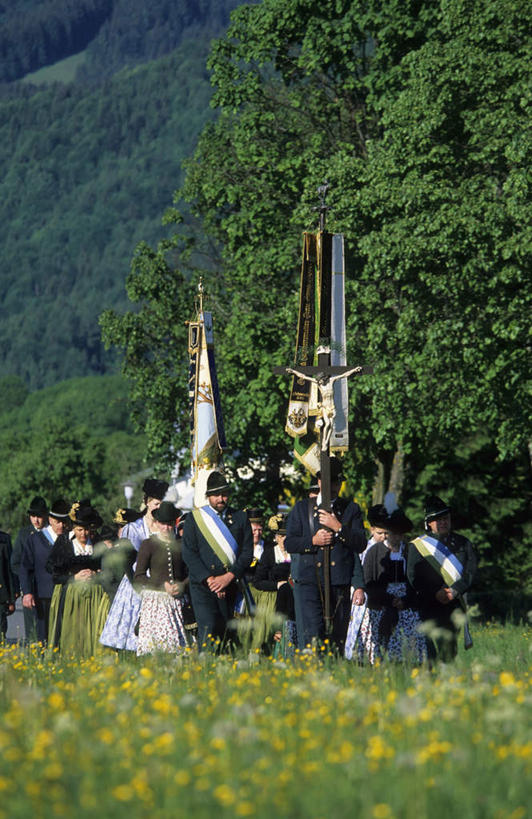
<point x="323" y="190"/>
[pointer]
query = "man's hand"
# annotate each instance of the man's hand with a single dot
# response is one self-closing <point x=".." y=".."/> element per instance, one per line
<point x="358" y="597"/>
<point x="323" y="538"/>
<point x="329" y="520"/>
<point x="443" y="597"/>
<point x="219" y="583"/>
<point x="451" y="594"/>
<point x="28" y="601"/>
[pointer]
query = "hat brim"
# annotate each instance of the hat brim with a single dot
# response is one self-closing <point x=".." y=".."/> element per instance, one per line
<point x="219" y="490"/>
<point x="400" y="528"/>
<point x="436" y="515"/>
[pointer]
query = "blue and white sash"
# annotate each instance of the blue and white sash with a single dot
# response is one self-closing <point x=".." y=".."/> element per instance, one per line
<point x="217" y="534"/>
<point x="48" y="535"/>
<point x="440" y="558"/>
<point x="222" y="542"/>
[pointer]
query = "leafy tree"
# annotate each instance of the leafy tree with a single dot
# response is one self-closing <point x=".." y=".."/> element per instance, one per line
<point x="440" y="209"/>
<point x="13" y="391"/>
<point x="306" y="90"/>
<point x="73" y="441"/>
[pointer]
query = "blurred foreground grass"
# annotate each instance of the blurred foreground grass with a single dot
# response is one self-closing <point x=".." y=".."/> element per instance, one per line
<point x="202" y="736"/>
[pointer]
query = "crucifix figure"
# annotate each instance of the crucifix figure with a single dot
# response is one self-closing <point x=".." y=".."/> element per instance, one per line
<point x="326" y="406"/>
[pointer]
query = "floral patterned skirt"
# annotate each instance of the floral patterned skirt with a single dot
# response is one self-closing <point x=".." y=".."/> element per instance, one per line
<point x="404" y="643"/>
<point x="161" y="626"/>
<point x="119" y="629"/>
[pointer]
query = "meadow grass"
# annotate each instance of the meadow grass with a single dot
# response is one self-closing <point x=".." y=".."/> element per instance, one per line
<point x="198" y="736"/>
<point x="61" y="71"/>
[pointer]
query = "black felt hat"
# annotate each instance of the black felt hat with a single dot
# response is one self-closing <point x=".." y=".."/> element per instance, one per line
<point x="125" y="515"/>
<point x="435" y="508"/>
<point x="255" y="516"/>
<point x="154" y="488"/>
<point x="337" y="469"/>
<point x="85" y="516"/>
<point x="108" y="532"/>
<point x="378" y="515"/>
<point x="59" y="509"/>
<point x="217" y="484"/>
<point x="38" y="507"/>
<point x="398" y="523"/>
<point x="166" y="513"/>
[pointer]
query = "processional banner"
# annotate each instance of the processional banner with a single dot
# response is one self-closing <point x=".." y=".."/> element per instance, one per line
<point x="321" y="321"/>
<point x="207" y="435"/>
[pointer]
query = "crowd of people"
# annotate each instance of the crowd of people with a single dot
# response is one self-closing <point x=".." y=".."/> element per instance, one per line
<point x="161" y="581"/>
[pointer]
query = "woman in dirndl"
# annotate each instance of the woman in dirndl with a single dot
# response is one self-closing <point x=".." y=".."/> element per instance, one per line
<point x="389" y="629"/>
<point x="272" y="590"/>
<point x="79" y="604"/>
<point x="120" y="629"/>
<point x="161" y="578"/>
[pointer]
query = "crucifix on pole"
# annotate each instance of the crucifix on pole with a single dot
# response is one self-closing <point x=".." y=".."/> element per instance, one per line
<point x="323" y="375"/>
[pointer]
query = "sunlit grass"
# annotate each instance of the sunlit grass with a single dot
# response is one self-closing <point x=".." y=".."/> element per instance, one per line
<point x="247" y="736"/>
<point x="61" y="71"/>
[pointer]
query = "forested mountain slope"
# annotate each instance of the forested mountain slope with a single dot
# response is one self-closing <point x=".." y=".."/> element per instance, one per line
<point x="36" y="33"/>
<point x="74" y="439"/>
<point x="87" y="170"/>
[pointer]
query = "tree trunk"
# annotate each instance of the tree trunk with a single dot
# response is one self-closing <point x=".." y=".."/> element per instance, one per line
<point x="390" y="475"/>
<point x="397" y="474"/>
<point x="379" y="485"/>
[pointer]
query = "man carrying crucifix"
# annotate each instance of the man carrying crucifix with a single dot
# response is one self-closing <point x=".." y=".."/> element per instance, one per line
<point x="314" y="535"/>
<point x="323" y="534"/>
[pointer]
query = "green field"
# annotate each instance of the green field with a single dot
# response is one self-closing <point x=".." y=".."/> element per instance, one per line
<point x="203" y="736"/>
<point x="62" y="71"/>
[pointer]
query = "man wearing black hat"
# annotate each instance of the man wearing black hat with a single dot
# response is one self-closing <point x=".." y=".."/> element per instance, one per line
<point x="217" y="548"/>
<point x="310" y="530"/>
<point x="38" y="515"/>
<point x="36" y="581"/>
<point x="440" y="567"/>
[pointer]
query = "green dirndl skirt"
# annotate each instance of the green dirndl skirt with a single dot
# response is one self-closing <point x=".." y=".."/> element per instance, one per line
<point x="265" y="621"/>
<point x="78" y="612"/>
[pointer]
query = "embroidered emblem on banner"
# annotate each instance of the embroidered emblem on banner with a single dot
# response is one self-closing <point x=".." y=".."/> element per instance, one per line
<point x="297" y="418"/>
